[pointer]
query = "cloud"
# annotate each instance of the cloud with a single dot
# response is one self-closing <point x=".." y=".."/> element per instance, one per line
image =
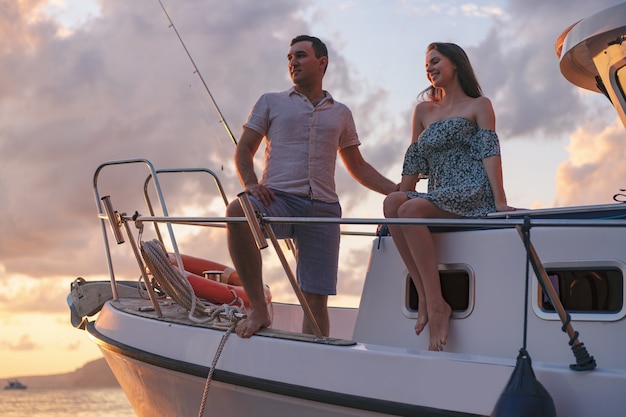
<point x="73" y="346"/>
<point x="24" y="294"/>
<point x="474" y="10"/>
<point x="518" y="67"/>
<point x="23" y="344"/>
<point x="595" y="169"/>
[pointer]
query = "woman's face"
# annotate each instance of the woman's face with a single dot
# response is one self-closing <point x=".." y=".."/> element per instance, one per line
<point x="439" y="68"/>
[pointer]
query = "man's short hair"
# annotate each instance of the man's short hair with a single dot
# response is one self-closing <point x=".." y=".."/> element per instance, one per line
<point x="318" y="46"/>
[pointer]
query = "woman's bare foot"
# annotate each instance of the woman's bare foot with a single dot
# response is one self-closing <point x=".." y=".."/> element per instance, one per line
<point x="438" y="327"/>
<point x="254" y="322"/>
<point x="422" y="318"/>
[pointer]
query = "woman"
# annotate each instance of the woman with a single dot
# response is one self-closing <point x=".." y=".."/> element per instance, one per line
<point x="454" y="145"/>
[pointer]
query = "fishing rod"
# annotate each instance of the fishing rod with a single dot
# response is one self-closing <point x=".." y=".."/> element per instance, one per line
<point x="197" y="71"/>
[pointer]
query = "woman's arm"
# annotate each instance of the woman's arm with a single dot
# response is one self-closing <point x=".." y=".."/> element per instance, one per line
<point x="493" y="166"/>
<point x="486" y="119"/>
<point x="408" y="182"/>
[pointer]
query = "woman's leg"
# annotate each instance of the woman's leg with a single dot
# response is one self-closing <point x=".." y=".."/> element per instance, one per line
<point x="390" y="209"/>
<point x="422" y="249"/>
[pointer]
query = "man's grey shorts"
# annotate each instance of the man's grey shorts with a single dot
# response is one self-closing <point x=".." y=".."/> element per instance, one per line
<point x="317" y="245"/>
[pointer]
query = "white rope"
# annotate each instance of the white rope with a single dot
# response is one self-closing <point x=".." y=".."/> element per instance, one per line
<point x="207" y="385"/>
<point x="171" y="280"/>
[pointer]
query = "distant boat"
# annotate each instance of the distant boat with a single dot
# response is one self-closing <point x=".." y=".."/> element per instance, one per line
<point x="15" y="384"/>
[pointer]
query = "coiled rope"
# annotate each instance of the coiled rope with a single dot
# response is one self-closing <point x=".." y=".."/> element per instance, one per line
<point x="172" y="281"/>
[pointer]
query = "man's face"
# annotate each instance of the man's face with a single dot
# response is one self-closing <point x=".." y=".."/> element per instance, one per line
<point x="304" y="67"/>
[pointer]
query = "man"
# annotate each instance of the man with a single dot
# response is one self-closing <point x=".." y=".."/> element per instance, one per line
<point x="304" y="128"/>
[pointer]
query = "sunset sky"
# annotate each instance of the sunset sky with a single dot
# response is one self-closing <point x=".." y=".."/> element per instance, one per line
<point x="86" y="81"/>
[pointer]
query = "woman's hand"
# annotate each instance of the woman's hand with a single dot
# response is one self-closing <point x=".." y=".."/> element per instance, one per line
<point x="506" y="207"/>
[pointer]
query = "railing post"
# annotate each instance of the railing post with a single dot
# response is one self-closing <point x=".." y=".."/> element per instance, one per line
<point x="584" y="361"/>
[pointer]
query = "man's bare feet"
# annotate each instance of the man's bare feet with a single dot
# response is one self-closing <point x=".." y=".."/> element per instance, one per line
<point x="254" y="322"/>
<point x="438" y="327"/>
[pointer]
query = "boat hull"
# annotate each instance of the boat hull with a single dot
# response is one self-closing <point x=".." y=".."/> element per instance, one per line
<point x="284" y="374"/>
<point x="180" y="394"/>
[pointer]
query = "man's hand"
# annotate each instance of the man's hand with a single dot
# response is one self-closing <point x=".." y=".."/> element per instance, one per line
<point x="261" y="193"/>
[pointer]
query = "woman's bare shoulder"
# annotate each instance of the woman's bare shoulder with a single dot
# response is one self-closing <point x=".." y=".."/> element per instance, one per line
<point x="483" y="113"/>
<point x="422" y="109"/>
<point x="482" y="103"/>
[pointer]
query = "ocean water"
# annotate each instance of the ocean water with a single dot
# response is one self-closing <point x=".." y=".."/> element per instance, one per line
<point x="50" y="402"/>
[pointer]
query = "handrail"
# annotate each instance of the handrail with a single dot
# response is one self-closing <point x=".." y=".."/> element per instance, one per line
<point x="146" y="196"/>
<point x="460" y="223"/>
<point x="104" y="217"/>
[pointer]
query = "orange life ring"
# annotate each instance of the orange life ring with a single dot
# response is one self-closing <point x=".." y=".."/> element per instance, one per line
<point x="225" y="291"/>
<point x="216" y="292"/>
<point x="198" y="266"/>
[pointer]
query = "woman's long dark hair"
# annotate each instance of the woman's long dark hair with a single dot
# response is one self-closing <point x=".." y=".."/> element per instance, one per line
<point x="464" y="71"/>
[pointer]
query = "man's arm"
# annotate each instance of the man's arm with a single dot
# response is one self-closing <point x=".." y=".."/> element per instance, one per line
<point x="363" y="172"/>
<point x="244" y="162"/>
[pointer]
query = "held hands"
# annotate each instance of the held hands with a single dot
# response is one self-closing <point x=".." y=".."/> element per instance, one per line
<point x="261" y="193"/>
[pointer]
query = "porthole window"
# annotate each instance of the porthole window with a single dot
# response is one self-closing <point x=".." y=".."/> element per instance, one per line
<point x="457" y="287"/>
<point x="587" y="292"/>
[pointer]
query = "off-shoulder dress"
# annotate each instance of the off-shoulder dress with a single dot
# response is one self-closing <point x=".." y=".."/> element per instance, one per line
<point x="449" y="153"/>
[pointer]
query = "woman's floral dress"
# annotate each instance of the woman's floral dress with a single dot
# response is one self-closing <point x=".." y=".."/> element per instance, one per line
<point x="449" y="153"/>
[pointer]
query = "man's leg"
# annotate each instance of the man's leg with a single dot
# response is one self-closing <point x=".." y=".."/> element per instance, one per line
<point x="247" y="262"/>
<point x="319" y="307"/>
<point x="318" y="261"/>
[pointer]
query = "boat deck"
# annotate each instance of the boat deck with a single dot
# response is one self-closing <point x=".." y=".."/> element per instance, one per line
<point x="173" y="313"/>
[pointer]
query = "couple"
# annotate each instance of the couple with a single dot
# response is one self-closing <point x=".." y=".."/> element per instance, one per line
<point x="453" y="143"/>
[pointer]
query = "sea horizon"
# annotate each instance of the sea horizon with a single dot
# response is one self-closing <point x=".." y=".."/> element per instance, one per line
<point x="65" y="402"/>
<point x="93" y="374"/>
